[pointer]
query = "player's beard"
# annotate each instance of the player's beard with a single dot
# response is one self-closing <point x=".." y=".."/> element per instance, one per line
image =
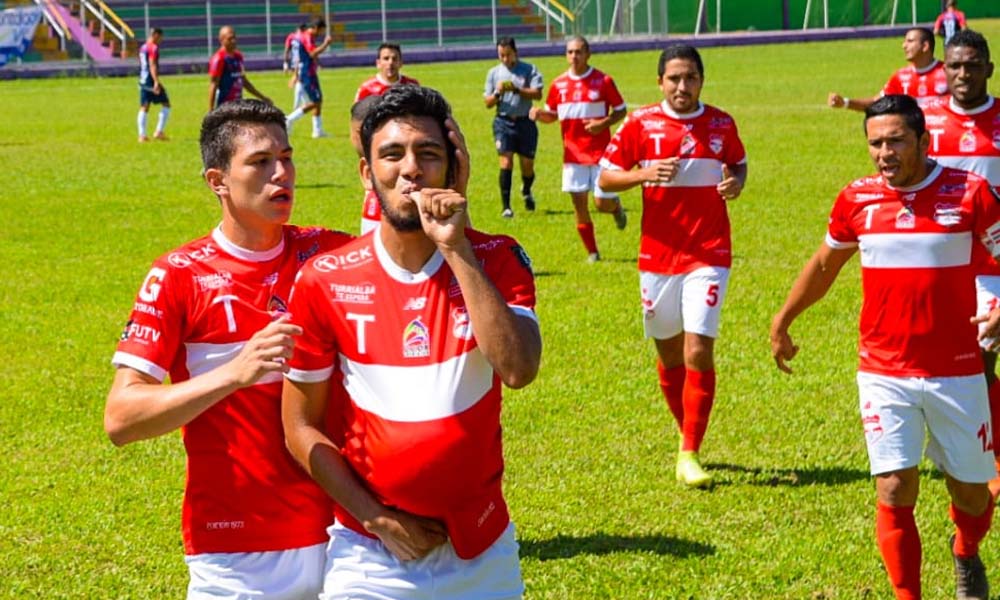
<point x="399" y="222"/>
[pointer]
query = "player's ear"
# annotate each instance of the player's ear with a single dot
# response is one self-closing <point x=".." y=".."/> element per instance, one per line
<point x="366" y="174"/>
<point x="215" y="178"/>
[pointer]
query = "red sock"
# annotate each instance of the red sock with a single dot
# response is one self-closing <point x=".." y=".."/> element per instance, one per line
<point x="969" y="530"/>
<point x="586" y="231"/>
<point x="899" y="542"/>
<point x="672" y="386"/>
<point x="994" y="395"/>
<point x="699" y="394"/>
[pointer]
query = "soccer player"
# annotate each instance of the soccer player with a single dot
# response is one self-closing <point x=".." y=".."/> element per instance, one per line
<point x="587" y="103"/>
<point x="291" y="64"/>
<point x="949" y="22"/>
<point x="309" y="77"/>
<point x="965" y="134"/>
<point x="371" y="212"/>
<point x="211" y="315"/>
<point x="227" y="78"/>
<point x="690" y="163"/>
<point x="151" y="90"/>
<point x="388" y="61"/>
<point x="915" y="223"/>
<point x="923" y="78"/>
<point x="510" y="88"/>
<point x="418" y="324"/>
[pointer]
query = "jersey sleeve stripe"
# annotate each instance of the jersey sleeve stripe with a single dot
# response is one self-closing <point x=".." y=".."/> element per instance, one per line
<point x="607" y="164"/>
<point x="123" y="359"/>
<point x="838" y="245"/>
<point x="524" y="311"/>
<point x="915" y="250"/>
<point x="306" y="376"/>
<point x="418" y="393"/>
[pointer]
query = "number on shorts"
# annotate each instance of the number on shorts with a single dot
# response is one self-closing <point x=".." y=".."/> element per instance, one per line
<point x="985" y="437"/>
<point x="712" y="298"/>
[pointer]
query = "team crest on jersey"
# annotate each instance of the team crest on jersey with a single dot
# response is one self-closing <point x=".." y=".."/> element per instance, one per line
<point x="461" y="326"/>
<point x="688" y="145"/>
<point x="947" y="215"/>
<point x="416" y="340"/>
<point x="594" y="94"/>
<point x="968" y="142"/>
<point x="715" y="143"/>
<point x="905" y="218"/>
<point x="940" y="88"/>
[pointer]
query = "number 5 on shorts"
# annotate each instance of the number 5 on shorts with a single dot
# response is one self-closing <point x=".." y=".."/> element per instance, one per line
<point x="712" y="297"/>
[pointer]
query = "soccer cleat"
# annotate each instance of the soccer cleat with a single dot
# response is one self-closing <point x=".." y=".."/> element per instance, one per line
<point x="320" y="134"/>
<point x="621" y="219"/>
<point x="529" y="202"/>
<point x="594" y="257"/>
<point x="507" y="213"/>
<point x="161" y="136"/>
<point x="690" y="472"/>
<point x="970" y="576"/>
<point x="143" y="139"/>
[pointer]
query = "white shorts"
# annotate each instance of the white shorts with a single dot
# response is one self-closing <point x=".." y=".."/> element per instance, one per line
<point x="278" y="575"/>
<point x="987" y="298"/>
<point x="691" y="302"/>
<point x="583" y="178"/>
<point x="359" y="567"/>
<point x="896" y="411"/>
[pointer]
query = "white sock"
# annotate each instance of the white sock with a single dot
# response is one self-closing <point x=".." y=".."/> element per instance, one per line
<point x="141" y="122"/>
<point x="161" y="122"/>
<point x="317" y="124"/>
<point x="294" y="116"/>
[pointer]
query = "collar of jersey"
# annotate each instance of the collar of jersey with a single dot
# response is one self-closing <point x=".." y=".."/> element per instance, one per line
<point x="586" y="74"/>
<point x="691" y="115"/>
<point x="241" y="253"/>
<point x="399" y="273"/>
<point x="919" y="186"/>
<point x="385" y="81"/>
<point x="928" y="68"/>
<point x="974" y="111"/>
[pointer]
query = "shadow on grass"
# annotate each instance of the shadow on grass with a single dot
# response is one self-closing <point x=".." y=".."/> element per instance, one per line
<point x="549" y="211"/>
<point x="549" y="273"/>
<point x="785" y="477"/>
<point x="599" y="544"/>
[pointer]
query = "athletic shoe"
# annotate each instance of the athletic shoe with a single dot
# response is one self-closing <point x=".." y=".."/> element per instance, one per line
<point x="507" y="213"/>
<point x="970" y="576"/>
<point x="529" y="202"/>
<point x="320" y="134"/>
<point x="690" y="472"/>
<point x="621" y="219"/>
<point x="143" y="138"/>
<point x="594" y="257"/>
<point x="161" y="136"/>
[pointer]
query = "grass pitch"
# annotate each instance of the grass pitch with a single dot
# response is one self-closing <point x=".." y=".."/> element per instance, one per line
<point x="589" y="445"/>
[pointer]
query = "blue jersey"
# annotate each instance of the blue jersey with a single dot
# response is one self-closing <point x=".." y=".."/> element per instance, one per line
<point x="149" y="54"/>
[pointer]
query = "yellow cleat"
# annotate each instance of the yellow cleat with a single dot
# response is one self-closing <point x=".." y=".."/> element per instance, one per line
<point x="690" y="472"/>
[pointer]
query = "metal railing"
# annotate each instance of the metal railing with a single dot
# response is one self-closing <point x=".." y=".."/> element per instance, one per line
<point x="108" y="21"/>
<point x="56" y="22"/>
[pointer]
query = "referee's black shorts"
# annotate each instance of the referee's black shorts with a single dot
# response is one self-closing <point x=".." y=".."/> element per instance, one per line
<point x="518" y="135"/>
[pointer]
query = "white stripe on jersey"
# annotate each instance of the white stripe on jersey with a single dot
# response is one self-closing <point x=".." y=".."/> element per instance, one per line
<point x="418" y="393"/>
<point x="582" y="110"/>
<point x="122" y="359"/>
<point x="915" y="250"/>
<point x="692" y="172"/>
<point x="987" y="167"/>
<point x="839" y="245"/>
<point x="202" y="358"/>
<point x="303" y="376"/>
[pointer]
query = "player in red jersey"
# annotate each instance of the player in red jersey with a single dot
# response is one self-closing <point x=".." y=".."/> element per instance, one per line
<point x="388" y="61"/>
<point x="371" y="212"/>
<point x="690" y="163"/>
<point x="308" y="76"/>
<point x="949" y="22"/>
<point x="587" y="103"/>
<point x="915" y="223"/>
<point x="965" y="134"/>
<point x="211" y="316"/>
<point x="227" y="77"/>
<point x="151" y="90"/>
<point x="923" y="78"/>
<point x="419" y="323"/>
<point x="290" y="63"/>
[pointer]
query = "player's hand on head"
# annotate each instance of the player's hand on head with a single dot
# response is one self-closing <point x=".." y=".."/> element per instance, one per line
<point x="462" y="167"/>
<point x="406" y="536"/>
<point x="265" y="352"/>
<point x="730" y="186"/>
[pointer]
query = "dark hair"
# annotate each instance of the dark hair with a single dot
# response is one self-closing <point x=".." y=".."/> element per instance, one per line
<point x="318" y="23"/>
<point x="581" y="39"/>
<point x="968" y="38"/>
<point x="682" y="51"/>
<point x="390" y="46"/>
<point x="898" y="104"/>
<point x="926" y="35"/>
<point x="408" y="101"/>
<point x="361" y="108"/>
<point x="155" y="30"/>
<point x="507" y="42"/>
<point x="303" y="26"/>
<point x="223" y="125"/>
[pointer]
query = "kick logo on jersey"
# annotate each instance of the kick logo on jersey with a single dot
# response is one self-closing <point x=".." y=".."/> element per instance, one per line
<point x="968" y="142"/>
<point x="461" y="326"/>
<point x="416" y="340"/>
<point x="715" y="143"/>
<point x="688" y="145"/>
<point x="180" y="261"/>
<point x="947" y="215"/>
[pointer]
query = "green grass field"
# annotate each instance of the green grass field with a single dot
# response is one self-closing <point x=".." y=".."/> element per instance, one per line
<point x="589" y="445"/>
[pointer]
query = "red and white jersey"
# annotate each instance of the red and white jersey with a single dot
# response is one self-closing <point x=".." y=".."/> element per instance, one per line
<point x="685" y="225"/>
<point x="578" y="99"/>
<point x="422" y="424"/>
<point x="371" y="212"/>
<point x="968" y="140"/>
<point x="376" y="86"/>
<point x="195" y="310"/>
<point x="916" y="269"/>
<point x="923" y="84"/>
